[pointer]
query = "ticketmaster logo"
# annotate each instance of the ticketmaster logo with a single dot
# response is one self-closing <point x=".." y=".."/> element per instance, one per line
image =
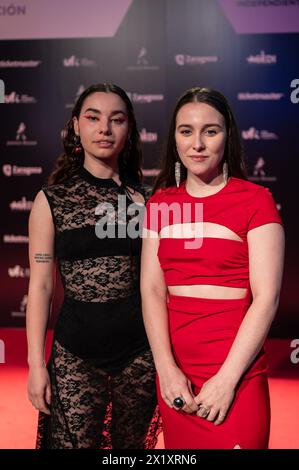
<point x="247" y="96"/>
<point x="2" y="91"/>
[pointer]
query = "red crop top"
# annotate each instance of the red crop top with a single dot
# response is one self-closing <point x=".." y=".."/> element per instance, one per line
<point x="221" y="256"/>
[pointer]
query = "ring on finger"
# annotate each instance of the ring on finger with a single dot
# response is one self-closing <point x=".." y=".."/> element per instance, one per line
<point x="203" y="412"/>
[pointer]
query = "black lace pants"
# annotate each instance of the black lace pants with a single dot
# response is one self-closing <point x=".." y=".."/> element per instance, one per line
<point x="92" y="409"/>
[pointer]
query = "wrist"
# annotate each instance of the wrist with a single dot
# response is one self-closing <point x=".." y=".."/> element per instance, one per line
<point x="165" y="365"/>
<point x="36" y="363"/>
<point x="228" y="379"/>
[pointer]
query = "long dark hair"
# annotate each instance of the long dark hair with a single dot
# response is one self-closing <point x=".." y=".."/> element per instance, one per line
<point x="129" y="160"/>
<point x="233" y="153"/>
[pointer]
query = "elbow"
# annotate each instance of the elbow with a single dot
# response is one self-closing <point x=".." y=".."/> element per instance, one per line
<point x="148" y="292"/>
<point x="45" y="289"/>
<point x="269" y="301"/>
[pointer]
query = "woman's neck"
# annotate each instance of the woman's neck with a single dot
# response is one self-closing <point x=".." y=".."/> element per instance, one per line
<point x="101" y="169"/>
<point x="201" y="187"/>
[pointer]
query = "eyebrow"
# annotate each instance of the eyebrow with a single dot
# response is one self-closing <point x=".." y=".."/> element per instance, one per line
<point x="204" y="127"/>
<point x="97" y="111"/>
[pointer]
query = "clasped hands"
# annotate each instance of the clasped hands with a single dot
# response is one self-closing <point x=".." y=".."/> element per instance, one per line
<point x="212" y="402"/>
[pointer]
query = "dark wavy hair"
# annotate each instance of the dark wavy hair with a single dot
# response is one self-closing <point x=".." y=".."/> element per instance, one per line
<point x="233" y="153"/>
<point x="129" y="160"/>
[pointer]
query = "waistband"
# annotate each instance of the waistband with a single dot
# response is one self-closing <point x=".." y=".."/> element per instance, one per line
<point x="203" y="306"/>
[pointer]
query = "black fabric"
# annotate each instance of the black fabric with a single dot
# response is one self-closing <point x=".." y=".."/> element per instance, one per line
<point x="108" y="335"/>
<point x="101" y="368"/>
<point x="90" y="409"/>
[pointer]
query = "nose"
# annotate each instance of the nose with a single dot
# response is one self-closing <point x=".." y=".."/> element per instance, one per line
<point x="104" y="126"/>
<point x="198" y="143"/>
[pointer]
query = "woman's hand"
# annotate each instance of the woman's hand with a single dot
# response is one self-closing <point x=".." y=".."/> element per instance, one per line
<point x="174" y="384"/>
<point x="215" y="399"/>
<point x="39" y="388"/>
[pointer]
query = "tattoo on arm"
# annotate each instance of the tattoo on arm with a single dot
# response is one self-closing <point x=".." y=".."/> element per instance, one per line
<point x="43" y="257"/>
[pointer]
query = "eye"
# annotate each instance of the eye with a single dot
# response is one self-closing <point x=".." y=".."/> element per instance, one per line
<point x="185" y="132"/>
<point x="92" y="118"/>
<point x="211" y="132"/>
<point x="118" y="120"/>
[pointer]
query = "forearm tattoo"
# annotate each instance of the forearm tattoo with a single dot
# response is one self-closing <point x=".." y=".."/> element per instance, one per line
<point x="43" y="257"/>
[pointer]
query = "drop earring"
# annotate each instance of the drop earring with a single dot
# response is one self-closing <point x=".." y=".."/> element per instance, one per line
<point x="78" y="147"/>
<point x="177" y="173"/>
<point x="225" y="172"/>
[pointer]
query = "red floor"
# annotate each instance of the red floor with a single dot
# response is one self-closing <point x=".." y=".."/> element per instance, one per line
<point x="18" y="418"/>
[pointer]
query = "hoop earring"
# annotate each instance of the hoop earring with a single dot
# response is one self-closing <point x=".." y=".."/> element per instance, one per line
<point x="225" y="172"/>
<point x="177" y="173"/>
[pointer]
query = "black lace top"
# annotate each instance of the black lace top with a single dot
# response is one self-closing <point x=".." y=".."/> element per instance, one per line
<point x="100" y="319"/>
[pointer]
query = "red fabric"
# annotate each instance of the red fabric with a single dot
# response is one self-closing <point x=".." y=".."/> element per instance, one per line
<point x="202" y="332"/>
<point x="240" y="206"/>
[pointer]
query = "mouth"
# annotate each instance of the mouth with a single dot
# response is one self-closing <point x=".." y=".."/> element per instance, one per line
<point x="103" y="143"/>
<point x="198" y="158"/>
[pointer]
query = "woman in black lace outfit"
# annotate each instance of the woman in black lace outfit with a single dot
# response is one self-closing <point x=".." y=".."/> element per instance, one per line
<point x="98" y="390"/>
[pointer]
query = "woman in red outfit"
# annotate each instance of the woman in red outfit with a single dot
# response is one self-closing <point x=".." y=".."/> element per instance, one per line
<point x="212" y="263"/>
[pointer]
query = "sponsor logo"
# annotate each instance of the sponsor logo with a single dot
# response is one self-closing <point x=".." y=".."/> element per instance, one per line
<point x="142" y="62"/>
<point x="12" y="10"/>
<point x="262" y="59"/>
<point x="295" y="93"/>
<point x="18" y="271"/>
<point x="15" y="238"/>
<point x="259" y="172"/>
<point x="186" y="59"/>
<point x="21" y="137"/>
<point x="138" y="98"/>
<point x="254" y="134"/>
<point x="74" y="61"/>
<point x="17" y="98"/>
<point x="248" y="96"/>
<point x="22" y="308"/>
<point x="148" y="137"/>
<point x="14" y="170"/>
<point x="22" y="205"/>
<point x="19" y="63"/>
<point x="150" y="171"/>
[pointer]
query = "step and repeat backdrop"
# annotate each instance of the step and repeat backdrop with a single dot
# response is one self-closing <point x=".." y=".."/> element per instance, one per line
<point x="154" y="49"/>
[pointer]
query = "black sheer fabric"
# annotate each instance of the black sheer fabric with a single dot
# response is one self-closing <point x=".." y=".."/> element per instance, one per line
<point x="92" y="409"/>
<point x="101" y="367"/>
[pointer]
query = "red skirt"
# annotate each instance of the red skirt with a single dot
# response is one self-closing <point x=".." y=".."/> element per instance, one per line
<point x="202" y="332"/>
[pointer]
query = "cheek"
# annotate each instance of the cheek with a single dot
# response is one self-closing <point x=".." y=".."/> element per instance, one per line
<point x="218" y="146"/>
<point x="181" y="143"/>
<point x="122" y="135"/>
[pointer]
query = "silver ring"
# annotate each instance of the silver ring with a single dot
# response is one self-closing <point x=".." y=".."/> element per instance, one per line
<point x="204" y="410"/>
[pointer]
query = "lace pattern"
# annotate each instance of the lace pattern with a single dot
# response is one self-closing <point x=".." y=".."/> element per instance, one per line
<point x="91" y="409"/>
<point x="100" y="279"/>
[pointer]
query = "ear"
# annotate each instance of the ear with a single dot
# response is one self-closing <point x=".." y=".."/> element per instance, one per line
<point x="76" y="125"/>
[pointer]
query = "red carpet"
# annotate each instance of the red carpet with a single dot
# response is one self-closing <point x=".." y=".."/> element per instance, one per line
<point x="18" y="418"/>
